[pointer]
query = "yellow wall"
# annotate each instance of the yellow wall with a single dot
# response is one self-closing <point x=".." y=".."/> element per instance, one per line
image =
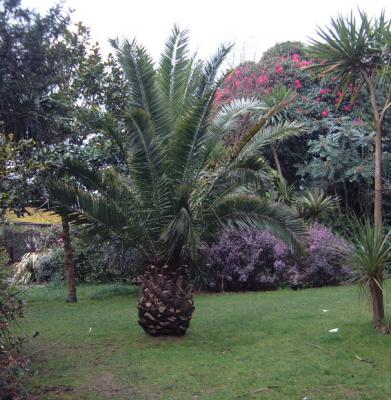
<point x="36" y="216"/>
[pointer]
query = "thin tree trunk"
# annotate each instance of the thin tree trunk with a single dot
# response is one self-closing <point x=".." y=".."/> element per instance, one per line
<point x="68" y="254"/>
<point x="376" y="288"/>
<point x="378" y="176"/>
<point x="277" y="161"/>
<point x="346" y="195"/>
<point x="377" y="117"/>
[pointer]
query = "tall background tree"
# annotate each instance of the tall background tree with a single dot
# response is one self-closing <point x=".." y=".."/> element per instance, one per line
<point x="51" y="79"/>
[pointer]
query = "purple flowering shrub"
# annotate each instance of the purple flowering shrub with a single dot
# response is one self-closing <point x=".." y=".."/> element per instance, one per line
<point x="322" y="264"/>
<point x="257" y="260"/>
<point x="247" y="260"/>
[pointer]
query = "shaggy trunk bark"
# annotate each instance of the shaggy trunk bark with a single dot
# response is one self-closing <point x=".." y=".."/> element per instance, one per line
<point x="68" y="254"/>
<point x="166" y="302"/>
<point x="376" y="288"/>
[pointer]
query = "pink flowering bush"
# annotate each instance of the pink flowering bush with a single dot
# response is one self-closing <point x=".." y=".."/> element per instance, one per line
<point x="285" y="65"/>
<point x="256" y="260"/>
<point x="321" y="265"/>
<point x="322" y="105"/>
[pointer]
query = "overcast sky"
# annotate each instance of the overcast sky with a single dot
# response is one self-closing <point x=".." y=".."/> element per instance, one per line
<point x="253" y="25"/>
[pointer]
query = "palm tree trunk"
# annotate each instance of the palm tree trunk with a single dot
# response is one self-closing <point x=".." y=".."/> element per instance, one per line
<point x="376" y="288"/>
<point x="68" y="254"/>
<point x="166" y="302"/>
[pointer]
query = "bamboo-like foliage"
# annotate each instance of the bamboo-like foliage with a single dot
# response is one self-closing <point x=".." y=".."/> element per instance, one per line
<point x="180" y="183"/>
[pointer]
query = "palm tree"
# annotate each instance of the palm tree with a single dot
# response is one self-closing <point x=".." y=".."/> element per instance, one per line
<point x="177" y="183"/>
<point x="372" y="250"/>
<point x="359" y="53"/>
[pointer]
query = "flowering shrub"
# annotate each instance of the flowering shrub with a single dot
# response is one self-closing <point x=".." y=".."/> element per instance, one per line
<point x="285" y="65"/>
<point x="321" y="265"/>
<point x="257" y="260"/>
<point x="247" y="260"/>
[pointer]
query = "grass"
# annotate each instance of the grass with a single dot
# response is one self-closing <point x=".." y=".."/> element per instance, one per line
<point x="272" y="346"/>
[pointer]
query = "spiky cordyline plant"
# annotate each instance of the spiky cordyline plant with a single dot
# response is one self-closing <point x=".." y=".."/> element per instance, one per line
<point x="180" y="183"/>
<point x="312" y="204"/>
<point x="372" y="250"/>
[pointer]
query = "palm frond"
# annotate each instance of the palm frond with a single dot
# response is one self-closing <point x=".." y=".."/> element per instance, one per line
<point x="250" y="212"/>
<point x="262" y="122"/>
<point x="91" y="210"/>
<point x="175" y="73"/>
<point x="271" y="135"/>
<point x="180" y="233"/>
<point x="188" y="146"/>
<point x="141" y="79"/>
<point x="146" y="166"/>
<point x="211" y="68"/>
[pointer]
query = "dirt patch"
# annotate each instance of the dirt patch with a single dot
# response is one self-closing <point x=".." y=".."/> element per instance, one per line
<point x="352" y="394"/>
<point x="106" y="386"/>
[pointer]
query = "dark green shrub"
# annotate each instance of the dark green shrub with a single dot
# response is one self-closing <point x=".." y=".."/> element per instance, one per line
<point x="10" y="310"/>
<point x="98" y="262"/>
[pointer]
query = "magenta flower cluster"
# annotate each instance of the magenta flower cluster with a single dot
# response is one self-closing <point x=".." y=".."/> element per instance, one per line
<point x="257" y="80"/>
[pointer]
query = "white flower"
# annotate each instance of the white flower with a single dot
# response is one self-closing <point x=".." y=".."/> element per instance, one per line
<point x="335" y="330"/>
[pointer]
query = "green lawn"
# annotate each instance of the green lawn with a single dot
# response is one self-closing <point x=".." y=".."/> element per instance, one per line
<point x="272" y="345"/>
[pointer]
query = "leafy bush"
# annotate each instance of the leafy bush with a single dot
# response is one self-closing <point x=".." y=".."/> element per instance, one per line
<point x="97" y="262"/>
<point x="10" y="310"/>
<point x="247" y="260"/>
<point x="50" y="266"/>
<point x="256" y="260"/>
